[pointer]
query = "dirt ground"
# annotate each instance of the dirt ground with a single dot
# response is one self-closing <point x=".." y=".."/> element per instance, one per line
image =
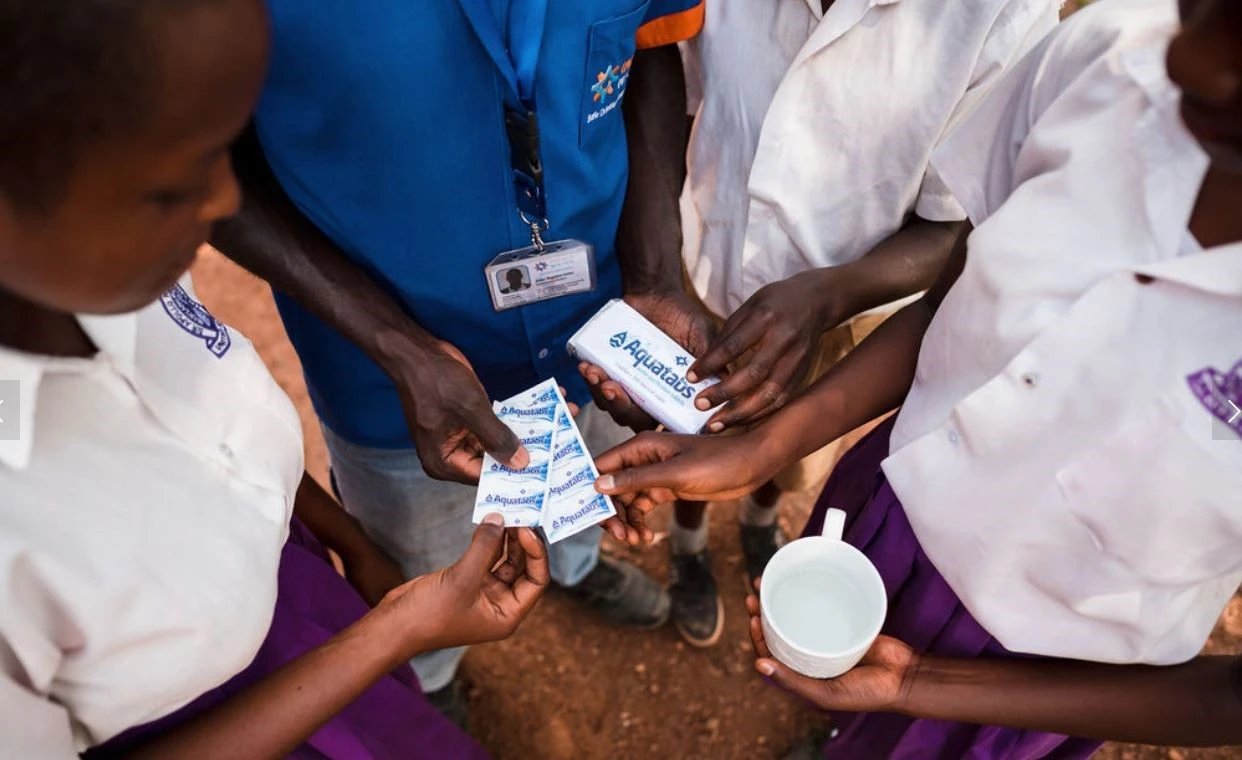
<point x="568" y="687"/>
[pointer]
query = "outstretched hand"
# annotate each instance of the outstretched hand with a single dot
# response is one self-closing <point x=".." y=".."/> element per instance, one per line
<point x="484" y="596"/>
<point x="656" y="468"/>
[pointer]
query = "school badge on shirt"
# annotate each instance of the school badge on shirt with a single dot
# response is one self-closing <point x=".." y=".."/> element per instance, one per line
<point x="1221" y="394"/>
<point x="193" y="317"/>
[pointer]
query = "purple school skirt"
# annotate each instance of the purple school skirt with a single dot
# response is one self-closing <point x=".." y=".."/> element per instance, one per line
<point x="923" y="612"/>
<point x="390" y="720"/>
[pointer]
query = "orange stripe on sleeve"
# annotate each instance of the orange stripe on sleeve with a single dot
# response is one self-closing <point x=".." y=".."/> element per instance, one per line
<point x="675" y="27"/>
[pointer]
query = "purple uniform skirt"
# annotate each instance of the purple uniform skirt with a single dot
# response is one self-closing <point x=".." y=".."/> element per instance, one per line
<point x="392" y="719"/>
<point x="926" y="614"/>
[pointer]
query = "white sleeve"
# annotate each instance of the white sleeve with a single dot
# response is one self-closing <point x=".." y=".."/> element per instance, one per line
<point x="31" y="725"/>
<point x="1020" y="27"/>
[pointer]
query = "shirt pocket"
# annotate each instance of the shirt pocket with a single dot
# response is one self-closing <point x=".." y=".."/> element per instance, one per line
<point x="1161" y="496"/>
<point x="610" y="54"/>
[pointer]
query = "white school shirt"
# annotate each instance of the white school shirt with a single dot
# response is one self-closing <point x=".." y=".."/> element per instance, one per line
<point x="812" y="141"/>
<point x="1070" y="456"/>
<point x="144" y="508"/>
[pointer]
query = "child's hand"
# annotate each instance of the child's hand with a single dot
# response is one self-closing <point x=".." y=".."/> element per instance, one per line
<point x="656" y="468"/>
<point x="772" y="341"/>
<point x="483" y="597"/>
<point x="879" y="683"/>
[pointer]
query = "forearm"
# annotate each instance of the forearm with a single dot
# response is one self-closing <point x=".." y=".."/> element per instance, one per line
<point x="1198" y="704"/>
<point x="332" y="525"/>
<point x="905" y="263"/>
<point x="871" y="381"/>
<point x="271" y="718"/>
<point x="649" y="235"/>
<point x="274" y="240"/>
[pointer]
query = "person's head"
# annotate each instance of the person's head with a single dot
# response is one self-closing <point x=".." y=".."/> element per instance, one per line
<point x="115" y="122"/>
<point x="515" y="278"/>
<point x="1205" y="60"/>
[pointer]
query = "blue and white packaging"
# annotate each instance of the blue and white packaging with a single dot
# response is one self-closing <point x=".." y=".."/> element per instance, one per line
<point x="519" y="495"/>
<point x="648" y="364"/>
<point x="557" y="489"/>
<point x="572" y="504"/>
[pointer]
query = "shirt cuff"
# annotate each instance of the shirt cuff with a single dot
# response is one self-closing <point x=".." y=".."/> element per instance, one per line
<point x="939" y="207"/>
<point x="671" y="29"/>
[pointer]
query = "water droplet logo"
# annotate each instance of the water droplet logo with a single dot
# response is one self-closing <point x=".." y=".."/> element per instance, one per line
<point x="618" y="340"/>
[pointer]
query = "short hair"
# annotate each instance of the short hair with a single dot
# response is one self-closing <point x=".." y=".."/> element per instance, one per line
<point x="71" y="71"/>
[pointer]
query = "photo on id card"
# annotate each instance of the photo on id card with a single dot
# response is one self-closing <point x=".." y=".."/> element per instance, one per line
<point x="529" y="275"/>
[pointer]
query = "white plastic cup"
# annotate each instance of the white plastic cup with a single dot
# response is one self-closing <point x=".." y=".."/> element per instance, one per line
<point x="822" y="603"/>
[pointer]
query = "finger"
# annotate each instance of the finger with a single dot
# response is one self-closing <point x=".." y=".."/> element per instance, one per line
<point x="486" y="548"/>
<point x="751" y="375"/>
<point x="641" y="449"/>
<point x="750" y="407"/>
<point x="596" y="380"/>
<point x="615" y="527"/>
<point x="593" y="374"/>
<point x="812" y="690"/>
<point x="752" y="605"/>
<point x="659" y="483"/>
<point x="638" y="518"/>
<point x="462" y="466"/>
<point x="737" y="336"/>
<point x="532" y="583"/>
<point x="757" y="639"/>
<point x="496" y="437"/>
<point x="515" y="559"/>
<point x="616" y="396"/>
<point x="761" y="401"/>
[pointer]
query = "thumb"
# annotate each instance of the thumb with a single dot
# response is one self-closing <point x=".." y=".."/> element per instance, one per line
<point x="485" y="550"/>
<point x="809" y="689"/>
<point x="496" y="437"/>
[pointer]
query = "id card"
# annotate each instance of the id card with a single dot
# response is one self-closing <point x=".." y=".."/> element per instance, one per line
<point x="530" y="275"/>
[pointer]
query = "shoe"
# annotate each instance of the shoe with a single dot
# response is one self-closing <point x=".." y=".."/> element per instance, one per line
<point x="698" y="611"/>
<point x="759" y="543"/>
<point x="812" y="747"/>
<point x="452" y="702"/>
<point x="623" y="595"/>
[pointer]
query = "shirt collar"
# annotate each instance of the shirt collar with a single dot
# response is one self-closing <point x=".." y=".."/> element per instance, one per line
<point x="842" y="16"/>
<point x="1174" y="165"/>
<point x="116" y="337"/>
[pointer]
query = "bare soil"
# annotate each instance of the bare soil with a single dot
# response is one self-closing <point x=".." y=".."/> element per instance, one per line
<point x="569" y="687"/>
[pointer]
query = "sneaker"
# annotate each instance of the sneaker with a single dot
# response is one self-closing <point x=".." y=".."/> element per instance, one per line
<point x="812" y="747"/>
<point x="759" y="543"/>
<point x="452" y="702"/>
<point x="623" y="595"/>
<point x="698" y="611"/>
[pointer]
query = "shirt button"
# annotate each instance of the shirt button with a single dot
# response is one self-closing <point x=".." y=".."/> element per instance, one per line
<point x="1030" y="379"/>
<point x="953" y="437"/>
<point x="543" y="353"/>
<point x="226" y="451"/>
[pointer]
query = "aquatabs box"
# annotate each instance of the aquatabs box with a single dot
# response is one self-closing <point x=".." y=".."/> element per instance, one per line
<point x="648" y="364"/>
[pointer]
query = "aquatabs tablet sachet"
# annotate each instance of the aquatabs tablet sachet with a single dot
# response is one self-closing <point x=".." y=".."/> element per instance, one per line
<point x="648" y="364"/>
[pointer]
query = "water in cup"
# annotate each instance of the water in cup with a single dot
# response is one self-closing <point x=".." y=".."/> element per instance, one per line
<point x="821" y="611"/>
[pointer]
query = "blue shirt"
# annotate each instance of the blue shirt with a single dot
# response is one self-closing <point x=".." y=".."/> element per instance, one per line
<point x="383" y="121"/>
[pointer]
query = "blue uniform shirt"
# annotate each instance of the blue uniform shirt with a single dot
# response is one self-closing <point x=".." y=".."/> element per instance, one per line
<point x="384" y="123"/>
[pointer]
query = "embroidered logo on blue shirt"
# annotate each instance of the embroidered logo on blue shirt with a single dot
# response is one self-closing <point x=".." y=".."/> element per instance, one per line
<point x="609" y="86"/>
<point x="193" y="317"/>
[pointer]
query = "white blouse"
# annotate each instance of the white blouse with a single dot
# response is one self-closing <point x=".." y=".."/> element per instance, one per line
<point x="144" y="508"/>
<point x="1069" y="456"/>
<point x="815" y="131"/>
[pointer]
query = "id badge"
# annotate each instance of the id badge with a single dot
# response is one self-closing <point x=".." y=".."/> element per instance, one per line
<point x="529" y="275"/>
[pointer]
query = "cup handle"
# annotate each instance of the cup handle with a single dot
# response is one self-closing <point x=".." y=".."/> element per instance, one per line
<point x="834" y="524"/>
